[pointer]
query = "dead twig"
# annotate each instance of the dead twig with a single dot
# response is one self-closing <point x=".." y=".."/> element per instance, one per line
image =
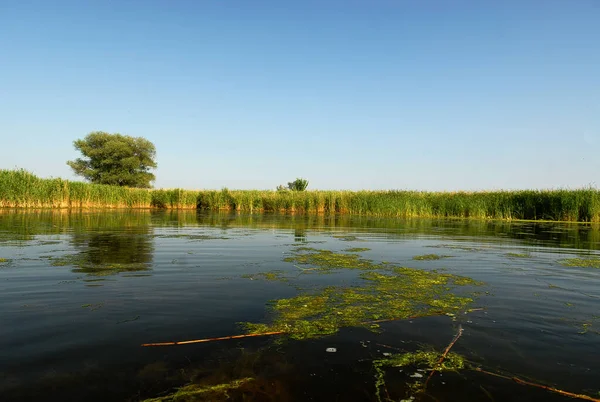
<point x="221" y="338"/>
<point x="532" y="384"/>
<point x="443" y="356"/>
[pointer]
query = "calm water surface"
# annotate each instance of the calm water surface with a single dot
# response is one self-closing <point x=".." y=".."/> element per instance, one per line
<point x="80" y="292"/>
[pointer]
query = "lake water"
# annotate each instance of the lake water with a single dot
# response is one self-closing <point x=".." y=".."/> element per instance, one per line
<point x="81" y="292"/>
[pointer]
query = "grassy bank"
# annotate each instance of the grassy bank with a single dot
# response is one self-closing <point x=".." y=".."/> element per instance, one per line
<point x="20" y="189"/>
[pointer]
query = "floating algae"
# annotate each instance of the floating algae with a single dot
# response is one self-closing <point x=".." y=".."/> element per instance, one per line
<point x="356" y="249"/>
<point x="581" y="262"/>
<point x="386" y="292"/>
<point x="518" y="255"/>
<point x="420" y="360"/>
<point x="194" y="392"/>
<point x="326" y="260"/>
<point x="84" y="264"/>
<point x="276" y="275"/>
<point x="429" y="257"/>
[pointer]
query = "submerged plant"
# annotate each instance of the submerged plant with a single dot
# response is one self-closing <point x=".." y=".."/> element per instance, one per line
<point x="421" y="360"/>
<point x="429" y="257"/>
<point x="276" y="275"/>
<point x="581" y="262"/>
<point x="386" y="292"/>
<point x="356" y="249"/>
<point x="518" y="255"/>
<point x="195" y="392"/>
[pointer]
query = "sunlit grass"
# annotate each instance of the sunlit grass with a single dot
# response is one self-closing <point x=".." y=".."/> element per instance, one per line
<point x="19" y="188"/>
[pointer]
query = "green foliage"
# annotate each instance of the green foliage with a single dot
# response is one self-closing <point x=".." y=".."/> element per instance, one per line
<point x="19" y="188"/>
<point x="429" y="257"/>
<point x="298" y="185"/>
<point x="385" y="292"/>
<point x="593" y="262"/>
<point x="197" y="392"/>
<point x="115" y="159"/>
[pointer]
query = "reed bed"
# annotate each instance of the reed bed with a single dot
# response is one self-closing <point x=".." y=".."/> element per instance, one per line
<point x="21" y="189"/>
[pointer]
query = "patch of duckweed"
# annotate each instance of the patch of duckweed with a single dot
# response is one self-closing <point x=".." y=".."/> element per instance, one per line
<point x="191" y="237"/>
<point x="421" y="360"/>
<point x="326" y="260"/>
<point x="4" y="262"/>
<point x="356" y="249"/>
<point x="581" y="262"/>
<point x="456" y="247"/>
<point x="195" y="392"/>
<point x="394" y="293"/>
<point x="518" y="255"/>
<point x="82" y="263"/>
<point x="590" y="326"/>
<point x="276" y="275"/>
<point x="347" y="238"/>
<point x="430" y="257"/>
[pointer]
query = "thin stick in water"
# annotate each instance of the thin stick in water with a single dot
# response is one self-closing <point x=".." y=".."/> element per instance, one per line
<point x="443" y="356"/>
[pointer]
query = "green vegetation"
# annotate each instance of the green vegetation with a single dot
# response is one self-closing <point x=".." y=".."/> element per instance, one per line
<point x="518" y="255"/>
<point x="593" y="262"/>
<point x="386" y="292"/>
<point x="115" y="159"/>
<point x="195" y="392"/>
<point x="19" y="188"/>
<point x="356" y="249"/>
<point x="429" y="257"/>
<point x="421" y="360"/>
<point x="276" y="275"/>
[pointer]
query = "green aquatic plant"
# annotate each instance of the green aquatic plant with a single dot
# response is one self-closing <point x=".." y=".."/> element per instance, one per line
<point x="593" y="262"/>
<point x="196" y="392"/>
<point x="356" y="249"/>
<point x="82" y="263"/>
<point x="4" y="260"/>
<point x="518" y="255"/>
<point x="277" y="275"/>
<point x="326" y="260"/>
<point x="395" y="293"/>
<point x="430" y="257"/>
<point x="346" y="238"/>
<point x="423" y="360"/>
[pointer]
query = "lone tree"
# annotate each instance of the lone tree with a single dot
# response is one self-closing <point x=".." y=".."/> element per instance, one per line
<point x="115" y="159"/>
<point x="298" y="185"/>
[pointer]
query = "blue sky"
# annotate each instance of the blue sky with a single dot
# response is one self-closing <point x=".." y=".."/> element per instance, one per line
<point x="350" y="94"/>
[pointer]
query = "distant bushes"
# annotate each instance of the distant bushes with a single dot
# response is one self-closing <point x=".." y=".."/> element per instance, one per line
<point x="22" y="189"/>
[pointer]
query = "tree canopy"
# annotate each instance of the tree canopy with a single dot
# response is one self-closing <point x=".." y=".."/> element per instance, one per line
<point x="115" y="159"/>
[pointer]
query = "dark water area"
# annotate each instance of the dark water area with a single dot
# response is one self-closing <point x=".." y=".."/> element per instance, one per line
<point x="80" y="293"/>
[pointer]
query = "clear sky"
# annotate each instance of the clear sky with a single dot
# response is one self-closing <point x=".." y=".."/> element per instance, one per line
<point x="350" y="94"/>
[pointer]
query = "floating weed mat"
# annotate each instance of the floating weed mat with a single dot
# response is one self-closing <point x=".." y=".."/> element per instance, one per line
<point x="82" y="263"/>
<point x="356" y="249"/>
<point x="384" y="292"/>
<point x="518" y="255"/>
<point x="347" y="238"/>
<point x="4" y="262"/>
<point x="326" y="260"/>
<point x="593" y="262"/>
<point x="276" y="275"/>
<point x="197" y="237"/>
<point x="591" y="326"/>
<point x="430" y="257"/>
<point x="195" y="392"/>
<point x="415" y="366"/>
<point x="456" y="247"/>
<point x="399" y="293"/>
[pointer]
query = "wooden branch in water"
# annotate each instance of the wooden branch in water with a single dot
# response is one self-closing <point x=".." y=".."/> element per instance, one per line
<point x="532" y="384"/>
<point x="221" y="338"/>
<point x="443" y="356"/>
